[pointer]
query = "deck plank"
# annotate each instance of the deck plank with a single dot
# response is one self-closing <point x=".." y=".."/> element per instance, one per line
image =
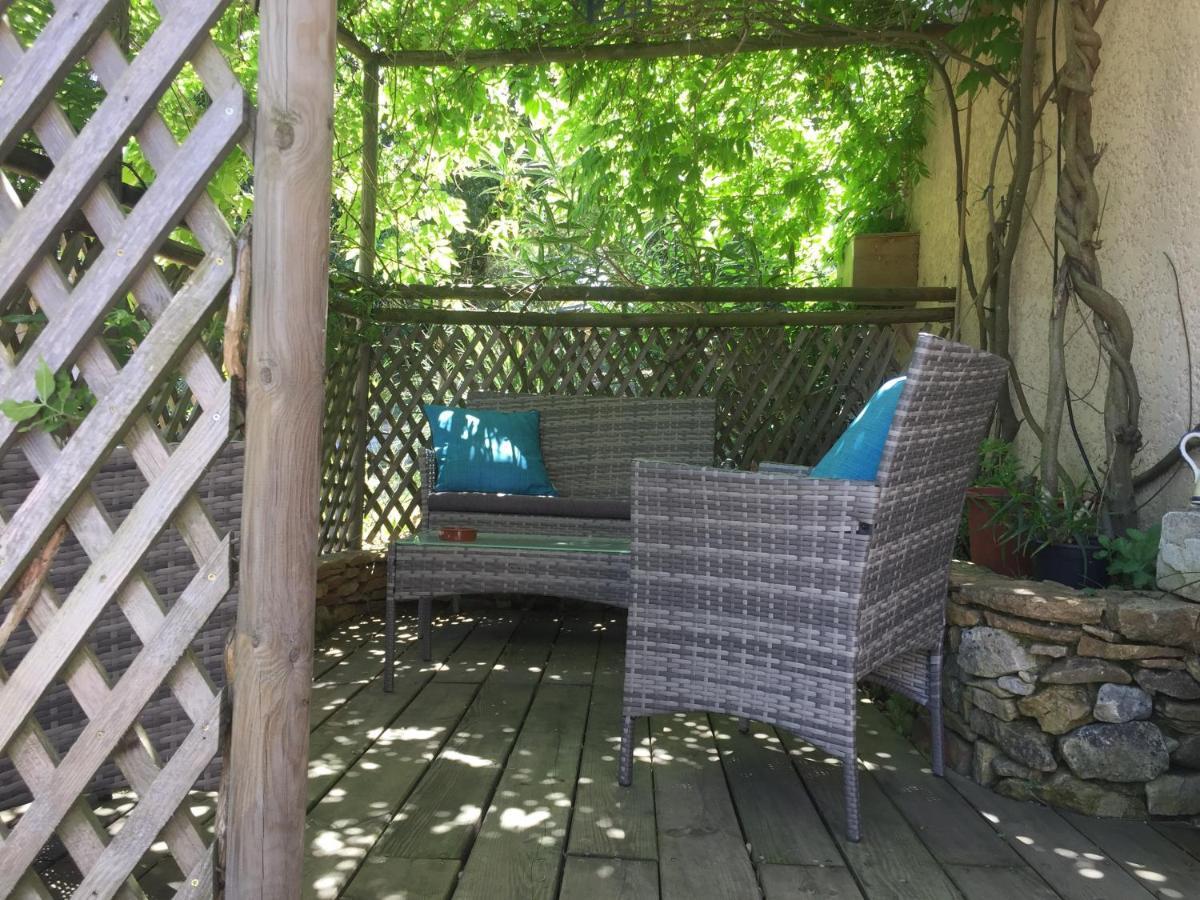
<point x="1184" y="836"/>
<point x="701" y="849"/>
<point x="780" y="882"/>
<point x="1072" y="864"/>
<point x="610" y="820"/>
<point x="344" y="826"/>
<point x="573" y="660"/>
<point x="1157" y="863"/>
<point x="948" y="825"/>
<point x="349" y="732"/>
<point x="387" y="878"/>
<point x="586" y="878"/>
<point x="890" y="862"/>
<point x="778" y="817"/>
<point x="472" y="661"/>
<point x="440" y="818"/>
<point x="519" y="850"/>
<point x="524" y="658"/>
<point x="1000" y="883"/>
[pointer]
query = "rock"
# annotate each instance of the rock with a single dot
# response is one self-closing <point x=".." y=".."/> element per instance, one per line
<point x="1174" y="794"/>
<point x="1179" y="685"/>
<point x="964" y="616"/>
<point x="1122" y="703"/>
<point x="1103" y="633"/>
<point x="1156" y="619"/>
<point x="1054" y="651"/>
<point x="953" y="638"/>
<point x="958" y="753"/>
<point x="1161" y="664"/>
<point x="991" y="685"/>
<point x="1179" y="710"/>
<point x="1016" y="789"/>
<point x="1133" y="751"/>
<point x="989" y="652"/>
<point x="1021" y="740"/>
<point x="1009" y="768"/>
<point x="956" y="723"/>
<point x="1041" y="631"/>
<point x="981" y="765"/>
<point x="1092" y="798"/>
<point x="1000" y="708"/>
<point x="1192" y="664"/>
<point x="1015" y="685"/>
<point x="1179" y="554"/>
<point x="1042" y="601"/>
<point x="1059" y="708"/>
<point x="1090" y="646"/>
<point x="1029" y="676"/>
<point x="1084" y="671"/>
<point x="1187" y="752"/>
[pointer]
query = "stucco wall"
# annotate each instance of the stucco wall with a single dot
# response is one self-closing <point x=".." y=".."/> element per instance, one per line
<point x="1147" y="119"/>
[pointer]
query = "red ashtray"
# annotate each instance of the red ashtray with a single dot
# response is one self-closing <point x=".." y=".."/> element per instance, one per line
<point x="456" y="533"/>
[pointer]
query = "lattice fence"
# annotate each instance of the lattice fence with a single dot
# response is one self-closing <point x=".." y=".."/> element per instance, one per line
<point x="784" y="391"/>
<point x="166" y="385"/>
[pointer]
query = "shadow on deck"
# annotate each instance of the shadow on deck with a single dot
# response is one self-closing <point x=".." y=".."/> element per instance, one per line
<point x="491" y="773"/>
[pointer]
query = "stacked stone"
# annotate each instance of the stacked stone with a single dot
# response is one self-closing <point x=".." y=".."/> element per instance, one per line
<point x="347" y="584"/>
<point x="1088" y="700"/>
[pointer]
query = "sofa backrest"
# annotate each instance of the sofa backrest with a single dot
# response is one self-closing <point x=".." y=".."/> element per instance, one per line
<point x="589" y="443"/>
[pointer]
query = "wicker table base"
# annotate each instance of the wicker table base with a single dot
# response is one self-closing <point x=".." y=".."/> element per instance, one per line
<point x="423" y="567"/>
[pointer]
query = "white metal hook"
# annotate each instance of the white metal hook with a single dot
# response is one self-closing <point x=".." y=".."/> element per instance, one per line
<point x="1187" y="458"/>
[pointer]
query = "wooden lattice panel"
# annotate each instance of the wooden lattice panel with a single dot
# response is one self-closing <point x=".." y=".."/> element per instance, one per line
<point x="75" y="283"/>
<point x="783" y="393"/>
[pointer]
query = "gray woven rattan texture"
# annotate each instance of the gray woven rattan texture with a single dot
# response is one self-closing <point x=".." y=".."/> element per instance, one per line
<point x="170" y="566"/>
<point x="589" y="444"/>
<point x="768" y="596"/>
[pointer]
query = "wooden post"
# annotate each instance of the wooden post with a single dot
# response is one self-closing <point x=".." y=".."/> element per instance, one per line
<point x="272" y="647"/>
<point x="362" y="387"/>
<point x="370" y="167"/>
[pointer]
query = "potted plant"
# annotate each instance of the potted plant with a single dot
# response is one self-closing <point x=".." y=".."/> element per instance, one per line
<point x="999" y="474"/>
<point x="1059" y="531"/>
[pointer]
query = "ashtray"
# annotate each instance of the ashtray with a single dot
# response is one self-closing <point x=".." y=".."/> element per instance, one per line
<point x="456" y="533"/>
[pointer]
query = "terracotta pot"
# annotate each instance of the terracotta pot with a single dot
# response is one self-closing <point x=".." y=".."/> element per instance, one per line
<point x="986" y="538"/>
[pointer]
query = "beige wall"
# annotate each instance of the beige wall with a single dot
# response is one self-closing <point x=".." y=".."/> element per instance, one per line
<point x="1147" y="119"/>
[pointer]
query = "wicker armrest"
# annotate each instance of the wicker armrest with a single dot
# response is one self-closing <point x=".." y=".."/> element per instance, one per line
<point x="680" y="494"/>
<point x="774" y="468"/>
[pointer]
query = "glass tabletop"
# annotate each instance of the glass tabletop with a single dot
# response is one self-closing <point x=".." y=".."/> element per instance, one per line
<point x="546" y="542"/>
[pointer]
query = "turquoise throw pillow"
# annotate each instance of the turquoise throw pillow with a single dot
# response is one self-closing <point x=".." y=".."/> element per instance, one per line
<point x="488" y="451"/>
<point x="856" y="454"/>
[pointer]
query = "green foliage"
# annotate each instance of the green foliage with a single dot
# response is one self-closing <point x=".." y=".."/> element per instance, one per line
<point x="998" y="464"/>
<point x="1133" y="558"/>
<point x="1033" y="518"/>
<point x="59" y="404"/>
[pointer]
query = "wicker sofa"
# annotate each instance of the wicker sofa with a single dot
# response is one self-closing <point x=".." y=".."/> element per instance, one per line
<point x="589" y="444"/>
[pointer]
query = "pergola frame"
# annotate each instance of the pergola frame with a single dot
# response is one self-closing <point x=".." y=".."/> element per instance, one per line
<point x="285" y="391"/>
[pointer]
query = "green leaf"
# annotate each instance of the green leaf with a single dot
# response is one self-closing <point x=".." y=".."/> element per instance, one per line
<point x="43" y="380"/>
<point x="19" y="411"/>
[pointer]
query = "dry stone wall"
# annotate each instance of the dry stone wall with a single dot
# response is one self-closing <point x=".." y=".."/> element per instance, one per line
<point x="1088" y="700"/>
<point x="349" y="584"/>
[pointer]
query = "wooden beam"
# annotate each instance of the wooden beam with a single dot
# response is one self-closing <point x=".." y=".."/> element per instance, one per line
<point x="860" y="296"/>
<point x="353" y="43"/>
<point x="272" y="647"/>
<point x="764" y="319"/>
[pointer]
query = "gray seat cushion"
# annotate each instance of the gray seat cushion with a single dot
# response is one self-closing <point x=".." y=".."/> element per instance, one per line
<point x="527" y="505"/>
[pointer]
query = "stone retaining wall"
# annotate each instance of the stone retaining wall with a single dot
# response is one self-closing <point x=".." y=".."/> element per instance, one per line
<point x="1088" y="700"/>
<point x="349" y="584"/>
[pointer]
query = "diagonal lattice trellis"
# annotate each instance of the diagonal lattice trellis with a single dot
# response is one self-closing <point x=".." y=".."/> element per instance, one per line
<point x="74" y="289"/>
<point x="783" y="393"/>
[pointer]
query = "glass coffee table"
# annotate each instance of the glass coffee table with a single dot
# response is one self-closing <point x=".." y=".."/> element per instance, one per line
<point x="424" y="566"/>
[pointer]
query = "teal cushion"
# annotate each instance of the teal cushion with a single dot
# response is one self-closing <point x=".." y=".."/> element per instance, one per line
<point x="856" y="454"/>
<point x="488" y="451"/>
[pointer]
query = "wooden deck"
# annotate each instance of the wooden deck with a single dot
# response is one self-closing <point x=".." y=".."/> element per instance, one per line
<point x="491" y="773"/>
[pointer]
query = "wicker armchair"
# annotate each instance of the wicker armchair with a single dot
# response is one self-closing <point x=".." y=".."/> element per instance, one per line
<point x="769" y="595"/>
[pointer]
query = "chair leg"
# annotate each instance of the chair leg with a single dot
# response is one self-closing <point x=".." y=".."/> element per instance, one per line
<point x="625" y="764"/>
<point x="850" y="791"/>
<point x="425" y="626"/>
<point x="744" y="725"/>
<point x="933" y="690"/>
